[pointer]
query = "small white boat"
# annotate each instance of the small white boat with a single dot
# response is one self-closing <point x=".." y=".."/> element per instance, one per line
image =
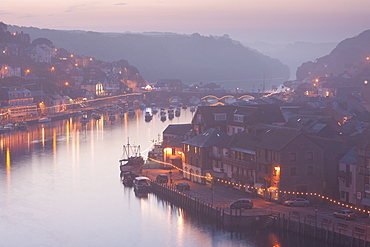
<point x="142" y="184"/>
<point x="148" y="116"/>
<point x="9" y="127"/>
<point x="44" y="120"/>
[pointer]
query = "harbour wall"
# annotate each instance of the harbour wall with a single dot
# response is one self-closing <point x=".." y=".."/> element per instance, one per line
<point x="336" y="234"/>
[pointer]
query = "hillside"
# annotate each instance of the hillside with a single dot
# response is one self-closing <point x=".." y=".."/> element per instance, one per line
<point x="190" y="58"/>
<point x="349" y="56"/>
<point x="294" y="54"/>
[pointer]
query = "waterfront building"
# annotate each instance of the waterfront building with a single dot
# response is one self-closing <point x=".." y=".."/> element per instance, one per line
<point x="363" y="171"/>
<point x="288" y="160"/>
<point x="197" y="154"/>
<point x="17" y="102"/>
<point x="347" y="177"/>
<point x="233" y="119"/>
<point x="234" y="159"/>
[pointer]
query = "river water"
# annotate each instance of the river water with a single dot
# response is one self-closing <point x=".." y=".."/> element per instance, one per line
<point x="60" y="186"/>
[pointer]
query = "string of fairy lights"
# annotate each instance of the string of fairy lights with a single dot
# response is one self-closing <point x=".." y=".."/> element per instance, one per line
<point x="93" y="100"/>
<point x="264" y="189"/>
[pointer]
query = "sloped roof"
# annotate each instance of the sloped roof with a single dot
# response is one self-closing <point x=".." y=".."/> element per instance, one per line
<point x="176" y="141"/>
<point x="207" y="138"/>
<point x="243" y="142"/>
<point x="177" y="129"/>
<point x="208" y="112"/>
<point x="349" y="157"/>
<point x="276" y="139"/>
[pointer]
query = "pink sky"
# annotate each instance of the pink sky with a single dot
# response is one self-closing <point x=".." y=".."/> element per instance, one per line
<point x="244" y="20"/>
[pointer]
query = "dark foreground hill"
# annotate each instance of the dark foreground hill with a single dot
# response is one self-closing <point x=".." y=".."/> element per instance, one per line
<point x="190" y="58"/>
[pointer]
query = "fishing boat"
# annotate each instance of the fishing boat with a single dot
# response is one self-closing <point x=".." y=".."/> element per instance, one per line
<point x="112" y="118"/>
<point x="131" y="163"/>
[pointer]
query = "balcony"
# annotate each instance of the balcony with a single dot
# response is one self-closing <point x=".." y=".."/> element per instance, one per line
<point x="367" y="188"/>
<point x="345" y="175"/>
<point x="243" y="178"/>
<point x="241" y="163"/>
<point x="215" y="156"/>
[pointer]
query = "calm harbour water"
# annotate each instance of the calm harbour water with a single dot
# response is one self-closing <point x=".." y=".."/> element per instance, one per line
<point x="60" y="186"/>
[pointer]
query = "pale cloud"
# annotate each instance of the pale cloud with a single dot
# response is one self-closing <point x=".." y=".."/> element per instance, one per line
<point x="27" y="16"/>
<point x="4" y="13"/>
<point x="120" y="4"/>
<point x="74" y="8"/>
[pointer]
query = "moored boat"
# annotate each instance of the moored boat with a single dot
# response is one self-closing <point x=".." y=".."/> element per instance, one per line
<point x="142" y="185"/>
<point x="131" y="112"/>
<point x="131" y="163"/>
<point x="163" y="116"/>
<point x="148" y="116"/>
<point x="177" y="112"/>
<point x="22" y="126"/>
<point x="44" y="120"/>
<point x="154" y="110"/>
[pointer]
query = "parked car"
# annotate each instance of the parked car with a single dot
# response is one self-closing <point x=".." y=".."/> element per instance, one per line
<point x="297" y="202"/>
<point x="182" y="186"/>
<point x="345" y="214"/>
<point x="162" y="179"/>
<point x="242" y="203"/>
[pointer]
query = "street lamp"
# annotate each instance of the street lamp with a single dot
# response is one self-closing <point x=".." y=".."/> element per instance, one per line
<point x="170" y="177"/>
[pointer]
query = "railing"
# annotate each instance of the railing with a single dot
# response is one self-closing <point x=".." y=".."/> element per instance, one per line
<point x="247" y="164"/>
<point x="243" y="178"/>
<point x="345" y="175"/>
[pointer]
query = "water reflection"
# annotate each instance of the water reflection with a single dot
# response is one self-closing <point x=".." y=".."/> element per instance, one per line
<point x="60" y="186"/>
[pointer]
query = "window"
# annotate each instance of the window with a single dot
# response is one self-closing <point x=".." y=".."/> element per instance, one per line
<point x="220" y="116"/>
<point x="309" y="170"/>
<point x="293" y="171"/>
<point x="292" y="156"/>
<point x="309" y="155"/>
<point x="173" y="151"/>
<point x="238" y="118"/>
